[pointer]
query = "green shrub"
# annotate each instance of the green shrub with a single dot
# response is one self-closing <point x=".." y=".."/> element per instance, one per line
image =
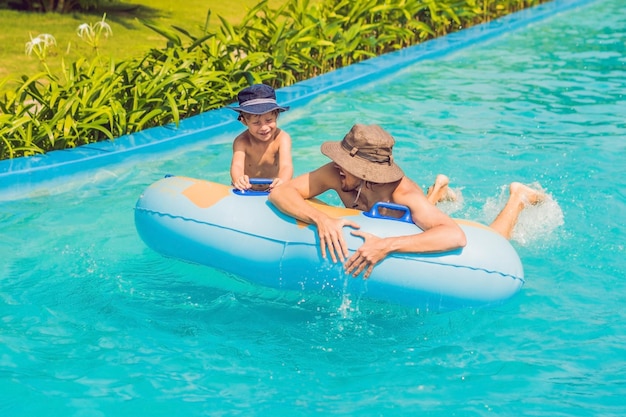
<point x="97" y="99"/>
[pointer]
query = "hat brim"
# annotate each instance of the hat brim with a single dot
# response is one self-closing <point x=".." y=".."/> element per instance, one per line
<point x="259" y="108"/>
<point x="362" y="168"/>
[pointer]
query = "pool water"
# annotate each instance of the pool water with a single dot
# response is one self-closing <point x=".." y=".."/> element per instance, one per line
<point x="96" y="324"/>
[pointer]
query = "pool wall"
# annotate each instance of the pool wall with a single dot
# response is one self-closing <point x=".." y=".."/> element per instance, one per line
<point x="20" y="176"/>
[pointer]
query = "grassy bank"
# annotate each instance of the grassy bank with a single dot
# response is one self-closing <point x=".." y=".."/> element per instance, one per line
<point x="101" y="93"/>
<point x="130" y="37"/>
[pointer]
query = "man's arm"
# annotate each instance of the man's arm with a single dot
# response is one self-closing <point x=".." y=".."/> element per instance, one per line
<point x="290" y="198"/>
<point x="440" y="232"/>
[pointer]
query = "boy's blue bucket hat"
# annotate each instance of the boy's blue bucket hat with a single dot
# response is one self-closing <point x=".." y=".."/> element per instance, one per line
<point x="258" y="99"/>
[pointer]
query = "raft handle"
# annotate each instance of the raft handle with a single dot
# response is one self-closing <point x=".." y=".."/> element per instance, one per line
<point x="375" y="212"/>
<point x="255" y="181"/>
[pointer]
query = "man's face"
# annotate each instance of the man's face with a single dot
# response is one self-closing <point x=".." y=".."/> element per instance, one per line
<point x="348" y="181"/>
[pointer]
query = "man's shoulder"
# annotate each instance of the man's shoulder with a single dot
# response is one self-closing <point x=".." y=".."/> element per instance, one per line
<point x="326" y="175"/>
<point x="328" y="170"/>
<point x="407" y="184"/>
<point x="407" y="189"/>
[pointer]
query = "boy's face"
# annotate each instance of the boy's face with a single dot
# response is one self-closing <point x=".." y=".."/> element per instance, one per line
<point x="262" y="127"/>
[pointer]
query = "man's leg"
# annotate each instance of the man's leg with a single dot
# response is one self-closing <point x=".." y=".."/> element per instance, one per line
<point x="440" y="191"/>
<point x="520" y="196"/>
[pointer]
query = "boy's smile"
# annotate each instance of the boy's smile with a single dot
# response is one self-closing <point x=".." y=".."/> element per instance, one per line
<point x="262" y="127"/>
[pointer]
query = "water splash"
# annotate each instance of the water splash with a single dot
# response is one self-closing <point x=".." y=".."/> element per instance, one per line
<point x="454" y="205"/>
<point x="536" y="222"/>
<point x="351" y="293"/>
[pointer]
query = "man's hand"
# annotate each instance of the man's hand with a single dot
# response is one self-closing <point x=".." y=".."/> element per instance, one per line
<point x="330" y="232"/>
<point x="372" y="251"/>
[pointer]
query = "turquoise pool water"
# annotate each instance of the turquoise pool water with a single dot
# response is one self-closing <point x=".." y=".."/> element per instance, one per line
<point x="96" y="324"/>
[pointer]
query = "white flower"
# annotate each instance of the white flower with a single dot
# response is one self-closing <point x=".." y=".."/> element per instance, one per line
<point x="48" y="39"/>
<point x="39" y="45"/>
<point x="92" y="33"/>
<point x="103" y="27"/>
<point x="84" y="30"/>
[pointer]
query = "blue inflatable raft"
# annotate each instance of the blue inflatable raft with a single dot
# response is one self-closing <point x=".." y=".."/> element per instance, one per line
<point x="243" y="234"/>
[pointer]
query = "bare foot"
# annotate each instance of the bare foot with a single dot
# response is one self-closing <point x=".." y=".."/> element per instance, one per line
<point x="525" y="194"/>
<point x="440" y="191"/>
<point x="521" y="196"/>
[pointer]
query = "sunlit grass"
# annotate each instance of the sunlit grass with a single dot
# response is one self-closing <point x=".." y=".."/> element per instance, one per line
<point x="130" y="37"/>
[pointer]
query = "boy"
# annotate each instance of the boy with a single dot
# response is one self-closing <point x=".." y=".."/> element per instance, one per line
<point x="262" y="150"/>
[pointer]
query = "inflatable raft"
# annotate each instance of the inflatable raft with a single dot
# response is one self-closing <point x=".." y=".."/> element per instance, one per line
<point x="244" y="234"/>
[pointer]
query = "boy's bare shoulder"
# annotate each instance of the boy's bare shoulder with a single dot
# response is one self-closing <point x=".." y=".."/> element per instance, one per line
<point x="281" y="135"/>
<point x="243" y="139"/>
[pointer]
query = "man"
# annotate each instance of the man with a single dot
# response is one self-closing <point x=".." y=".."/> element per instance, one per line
<point x="363" y="172"/>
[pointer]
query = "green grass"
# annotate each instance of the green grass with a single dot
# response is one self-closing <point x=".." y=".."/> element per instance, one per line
<point x="130" y="37"/>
